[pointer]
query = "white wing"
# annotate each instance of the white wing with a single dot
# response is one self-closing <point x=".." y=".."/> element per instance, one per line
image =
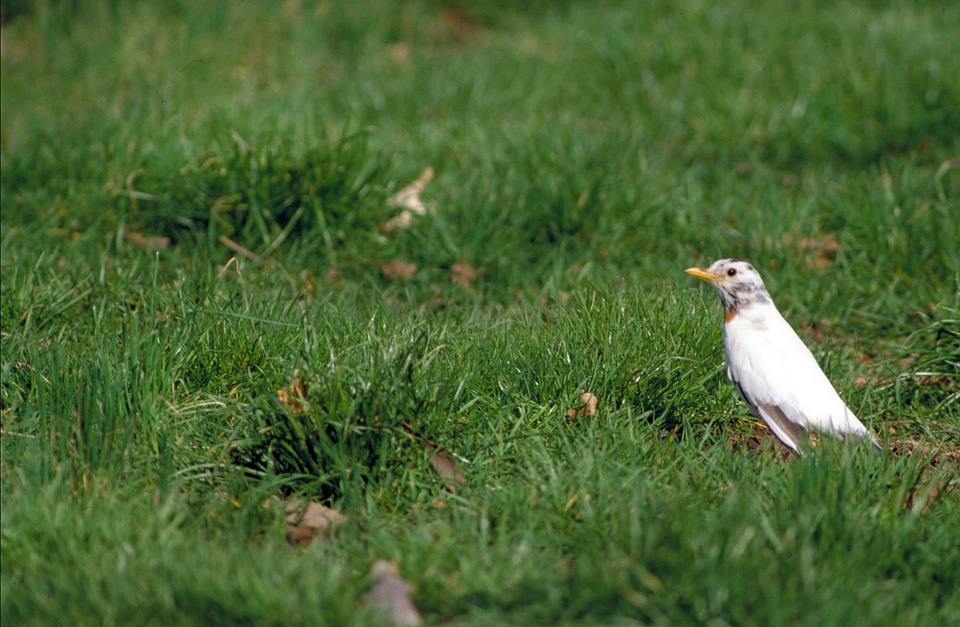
<point x="780" y="379"/>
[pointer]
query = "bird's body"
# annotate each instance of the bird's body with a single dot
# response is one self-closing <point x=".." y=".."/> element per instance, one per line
<point x="771" y="367"/>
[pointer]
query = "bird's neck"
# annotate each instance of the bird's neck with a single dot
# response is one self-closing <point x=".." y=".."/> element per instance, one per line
<point x="756" y="313"/>
<point x="744" y="297"/>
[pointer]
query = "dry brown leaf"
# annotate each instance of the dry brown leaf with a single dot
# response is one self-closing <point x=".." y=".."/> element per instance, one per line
<point x="400" y="52"/>
<point x="305" y="521"/>
<point x="463" y="274"/>
<point x="925" y="494"/>
<point x="587" y="408"/>
<point x="818" y="330"/>
<point x="824" y="248"/>
<point x="446" y="466"/>
<point x="409" y="196"/>
<point x="150" y="243"/>
<point x="454" y="25"/>
<point x="434" y="303"/>
<point x="294" y="396"/>
<point x="402" y="220"/>
<point x="391" y="594"/>
<point x="397" y="270"/>
<point x="938" y="455"/>
<point x="409" y="199"/>
<point x="928" y="489"/>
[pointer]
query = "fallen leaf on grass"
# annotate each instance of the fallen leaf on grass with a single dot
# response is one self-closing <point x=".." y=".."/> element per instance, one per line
<point x="942" y="464"/>
<point x="824" y="248"/>
<point x="400" y="52"/>
<point x="391" y="594"/>
<point x="294" y="396"/>
<point x="441" y="459"/>
<point x="817" y="252"/>
<point x="397" y="270"/>
<point x="453" y="25"/>
<point x="818" y="330"/>
<point x="305" y="521"/>
<point x="409" y="196"/>
<point x="587" y="408"/>
<point x="434" y="304"/>
<point x="938" y="454"/>
<point x="463" y="274"/>
<point x="149" y="243"/>
<point x="925" y="494"/>
<point x="409" y="199"/>
<point x="446" y="466"/>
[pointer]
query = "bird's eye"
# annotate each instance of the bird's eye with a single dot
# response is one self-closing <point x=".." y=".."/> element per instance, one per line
<point x="732" y="272"/>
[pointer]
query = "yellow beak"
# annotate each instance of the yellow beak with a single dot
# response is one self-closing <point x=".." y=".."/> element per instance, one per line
<point x="701" y="273"/>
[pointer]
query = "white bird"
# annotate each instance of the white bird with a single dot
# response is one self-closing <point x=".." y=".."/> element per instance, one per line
<point x="771" y="367"/>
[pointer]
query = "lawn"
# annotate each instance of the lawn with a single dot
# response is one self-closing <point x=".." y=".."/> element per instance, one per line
<point x="422" y="263"/>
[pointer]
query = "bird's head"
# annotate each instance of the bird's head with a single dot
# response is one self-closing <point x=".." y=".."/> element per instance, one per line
<point x="736" y="281"/>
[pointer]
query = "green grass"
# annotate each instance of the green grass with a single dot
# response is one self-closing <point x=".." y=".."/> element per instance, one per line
<point x="193" y="202"/>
